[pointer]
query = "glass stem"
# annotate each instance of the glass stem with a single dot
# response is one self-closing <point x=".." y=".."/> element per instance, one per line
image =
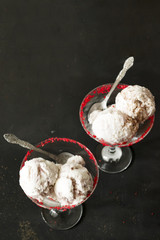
<point x="112" y="149"/>
<point x="54" y="213"/>
<point x="111" y="153"/>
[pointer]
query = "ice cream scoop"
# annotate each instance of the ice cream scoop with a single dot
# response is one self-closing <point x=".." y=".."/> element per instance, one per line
<point x="74" y="182"/>
<point x="113" y="126"/>
<point x="137" y="102"/>
<point x="37" y="178"/>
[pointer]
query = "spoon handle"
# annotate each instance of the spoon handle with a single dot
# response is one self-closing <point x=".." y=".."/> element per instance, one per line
<point x="11" y="138"/>
<point x="127" y="65"/>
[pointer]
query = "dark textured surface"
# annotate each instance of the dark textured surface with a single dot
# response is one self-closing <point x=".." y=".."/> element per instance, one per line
<point x="52" y="53"/>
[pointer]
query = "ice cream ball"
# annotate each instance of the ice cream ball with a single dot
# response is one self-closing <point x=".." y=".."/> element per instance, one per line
<point x="74" y="182"/>
<point x="64" y="190"/>
<point x="76" y="159"/>
<point x="37" y="178"/>
<point x="113" y="126"/>
<point x="137" y="102"/>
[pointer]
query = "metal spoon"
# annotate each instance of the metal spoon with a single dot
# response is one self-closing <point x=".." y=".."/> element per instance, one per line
<point x="61" y="158"/>
<point x="11" y="138"/>
<point x="103" y="105"/>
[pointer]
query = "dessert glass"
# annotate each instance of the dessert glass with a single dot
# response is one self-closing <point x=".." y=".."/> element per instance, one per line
<point x="64" y="217"/>
<point x="111" y="158"/>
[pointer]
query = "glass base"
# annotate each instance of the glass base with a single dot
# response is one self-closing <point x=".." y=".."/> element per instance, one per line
<point x="62" y="220"/>
<point x="113" y="159"/>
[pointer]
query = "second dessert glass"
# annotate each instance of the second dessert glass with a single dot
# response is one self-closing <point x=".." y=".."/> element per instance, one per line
<point x="111" y="158"/>
<point x="65" y="217"/>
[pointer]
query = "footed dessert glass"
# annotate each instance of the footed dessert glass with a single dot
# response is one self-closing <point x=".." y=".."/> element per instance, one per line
<point x="111" y="158"/>
<point x="56" y="216"/>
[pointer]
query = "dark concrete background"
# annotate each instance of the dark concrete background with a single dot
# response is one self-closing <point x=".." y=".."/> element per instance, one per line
<point x="52" y="53"/>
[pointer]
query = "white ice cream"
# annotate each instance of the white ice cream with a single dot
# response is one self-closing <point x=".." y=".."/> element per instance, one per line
<point x="68" y="184"/>
<point x="137" y="102"/>
<point x="74" y="182"/>
<point x="37" y="178"/>
<point x="92" y="116"/>
<point x="113" y="126"/>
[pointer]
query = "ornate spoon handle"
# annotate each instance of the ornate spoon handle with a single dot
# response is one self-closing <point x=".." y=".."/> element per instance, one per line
<point x="11" y="138"/>
<point x="127" y="65"/>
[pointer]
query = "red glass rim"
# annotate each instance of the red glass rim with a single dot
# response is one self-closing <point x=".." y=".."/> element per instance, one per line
<point x="103" y="89"/>
<point x="91" y="157"/>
